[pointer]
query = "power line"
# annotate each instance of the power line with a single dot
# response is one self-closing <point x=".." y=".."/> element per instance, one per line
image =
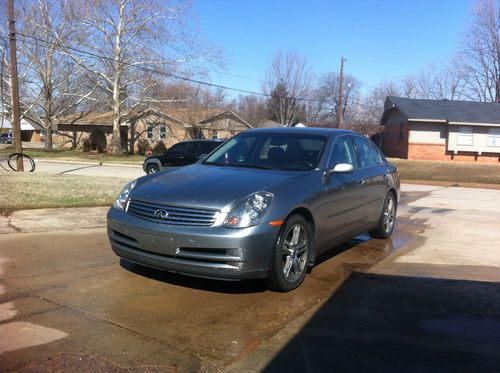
<point x="143" y="67"/>
<point x="172" y="75"/>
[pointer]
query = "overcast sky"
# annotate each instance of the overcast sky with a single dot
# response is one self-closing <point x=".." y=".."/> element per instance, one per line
<point x="380" y="39"/>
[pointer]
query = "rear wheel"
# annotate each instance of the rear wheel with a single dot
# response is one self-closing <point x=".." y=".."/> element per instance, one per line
<point x="387" y="219"/>
<point x="291" y="255"/>
<point x="152" y="168"/>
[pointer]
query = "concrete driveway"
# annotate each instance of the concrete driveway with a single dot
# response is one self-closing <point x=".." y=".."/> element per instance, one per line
<point x="68" y="303"/>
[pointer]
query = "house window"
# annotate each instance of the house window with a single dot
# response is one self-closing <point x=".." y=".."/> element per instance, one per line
<point x="464" y="136"/>
<point x="149" y="132"/>
<point x="163" y="132"/>
<point x="494" y="137"/>
<point x="215" y="134"/>
<point x="401" y="130"/>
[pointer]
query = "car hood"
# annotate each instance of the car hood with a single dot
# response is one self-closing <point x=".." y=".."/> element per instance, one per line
<point x="208" y="186"/>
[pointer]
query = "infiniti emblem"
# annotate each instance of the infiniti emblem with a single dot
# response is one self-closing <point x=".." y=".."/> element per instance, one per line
<point x="161" y="214"/>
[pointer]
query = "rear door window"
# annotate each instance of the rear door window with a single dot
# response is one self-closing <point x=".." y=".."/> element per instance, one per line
<point x="178" y="148"/>
<point x="190" y="149"/>
<point x="367" y="156"/>
<point x="206" y="147"/>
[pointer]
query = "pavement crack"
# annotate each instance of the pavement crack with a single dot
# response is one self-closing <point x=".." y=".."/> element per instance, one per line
<point x="95" y="317"/>
<point x="22" y="317"/>
<point x="63" y="271"/>
<point x="11" y="225"/>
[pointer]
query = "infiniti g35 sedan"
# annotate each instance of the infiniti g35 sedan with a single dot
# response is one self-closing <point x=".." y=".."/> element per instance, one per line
<point x="264" y="204"/>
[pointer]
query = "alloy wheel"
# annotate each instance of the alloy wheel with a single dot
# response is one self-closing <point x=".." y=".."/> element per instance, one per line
<point x="294" y="252"/>
<point x="389" y="215"/>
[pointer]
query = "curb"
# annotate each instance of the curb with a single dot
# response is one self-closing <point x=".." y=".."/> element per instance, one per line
<point x="458" y="184"/>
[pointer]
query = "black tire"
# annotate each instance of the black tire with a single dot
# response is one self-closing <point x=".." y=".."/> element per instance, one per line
<point x="28" y="162"/>
<point x="387" y="220"/>
<point x="290" y="259"/>
<point x="152" y="169"/>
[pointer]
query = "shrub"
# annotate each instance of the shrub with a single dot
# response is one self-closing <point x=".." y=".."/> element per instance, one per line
<point x="142" y="146"/>
<point x="86" y="145"/>
<point x="101" y="148"/>
<point x="159" y="148"/>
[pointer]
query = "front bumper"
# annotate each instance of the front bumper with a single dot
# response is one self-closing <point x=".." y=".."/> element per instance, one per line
<point x="214" y="251"/>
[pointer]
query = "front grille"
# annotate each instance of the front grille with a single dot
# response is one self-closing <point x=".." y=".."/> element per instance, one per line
<point x="173" y="215"/>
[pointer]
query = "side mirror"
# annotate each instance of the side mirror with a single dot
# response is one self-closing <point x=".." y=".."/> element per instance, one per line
<point x="341" y="168"/>
<point x="202" y="158"/>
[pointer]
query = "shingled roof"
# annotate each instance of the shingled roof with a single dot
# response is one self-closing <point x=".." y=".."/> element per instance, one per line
<point x="452" y="111"/>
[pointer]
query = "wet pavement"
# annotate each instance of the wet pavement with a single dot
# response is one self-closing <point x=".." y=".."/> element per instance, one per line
<point x="67" y="303"/>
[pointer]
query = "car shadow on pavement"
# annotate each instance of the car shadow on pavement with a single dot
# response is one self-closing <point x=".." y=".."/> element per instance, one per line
<point x="218" y="286"/>
<point x="330" y="253"/>
<point x="381" y="323"/>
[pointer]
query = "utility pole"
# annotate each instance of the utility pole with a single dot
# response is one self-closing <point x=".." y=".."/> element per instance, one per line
<point x="340" y="110"/>
<point x="16" y="125"/>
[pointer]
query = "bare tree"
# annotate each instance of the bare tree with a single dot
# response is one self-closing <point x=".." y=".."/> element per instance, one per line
<point x="374" y="101"/>
<point x="252" y="108"/>
<point x="327" y="93"/>
<point x="133" y="35"/>
<point x="287" y="81"/>
<point x="434" y="83"/>
<point x="481" y="55"/>
<point x="53" y="83"/>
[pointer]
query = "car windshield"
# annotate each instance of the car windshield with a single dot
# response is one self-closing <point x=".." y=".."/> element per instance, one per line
<point x="270" y="151"/>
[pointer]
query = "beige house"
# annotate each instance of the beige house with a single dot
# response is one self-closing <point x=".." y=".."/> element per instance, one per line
<point x="30" y="130"/>
<point x="441" y="130"/>
<point x="168" y="126"/>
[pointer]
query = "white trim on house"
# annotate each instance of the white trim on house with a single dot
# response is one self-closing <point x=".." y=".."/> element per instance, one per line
<point x="427" y="120"/>
<point x="475" y="124"/>
<point x="455" y="123"/>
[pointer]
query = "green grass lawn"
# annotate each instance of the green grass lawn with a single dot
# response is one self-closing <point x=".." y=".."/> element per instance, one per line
<point x="19" y="191"/>
<point x="460" y="172"/>
<point x="76" y="155"/>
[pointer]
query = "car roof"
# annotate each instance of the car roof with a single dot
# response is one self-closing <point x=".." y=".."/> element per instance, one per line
<point x="203" y="140"/>
<point x="303" y="130"/>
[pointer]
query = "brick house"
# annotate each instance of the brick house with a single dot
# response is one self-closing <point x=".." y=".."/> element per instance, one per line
<point x="441" y="130"/>
<point x="168" y="126"/>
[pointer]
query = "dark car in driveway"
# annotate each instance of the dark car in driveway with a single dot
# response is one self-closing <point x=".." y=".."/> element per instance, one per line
<point x="5" y="138"/>
<point x="181" y="154"/>
<point x="265" y="204"/>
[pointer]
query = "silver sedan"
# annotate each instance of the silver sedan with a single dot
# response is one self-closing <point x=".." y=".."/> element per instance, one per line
<point x="263" y="205"/>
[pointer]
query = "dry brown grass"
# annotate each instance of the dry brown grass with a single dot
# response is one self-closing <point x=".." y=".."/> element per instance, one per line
<point x="19" y="191"/>
<point x="464" y="172"/>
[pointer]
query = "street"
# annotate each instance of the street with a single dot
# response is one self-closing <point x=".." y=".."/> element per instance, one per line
<point x="89" y="169"/>
<point x="68" y="303"/>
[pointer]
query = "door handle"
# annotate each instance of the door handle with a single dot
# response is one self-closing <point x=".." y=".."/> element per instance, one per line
<point x="361" y="182"/>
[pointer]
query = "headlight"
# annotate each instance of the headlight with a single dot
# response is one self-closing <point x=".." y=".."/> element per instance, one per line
<point x="122" y="198"/>
<point x="249" y="211"/>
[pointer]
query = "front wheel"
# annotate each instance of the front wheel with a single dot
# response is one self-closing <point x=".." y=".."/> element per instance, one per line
<point x="387" y="219"/>
<point x="291" y="255"/>
<point x="151" y="169"/>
